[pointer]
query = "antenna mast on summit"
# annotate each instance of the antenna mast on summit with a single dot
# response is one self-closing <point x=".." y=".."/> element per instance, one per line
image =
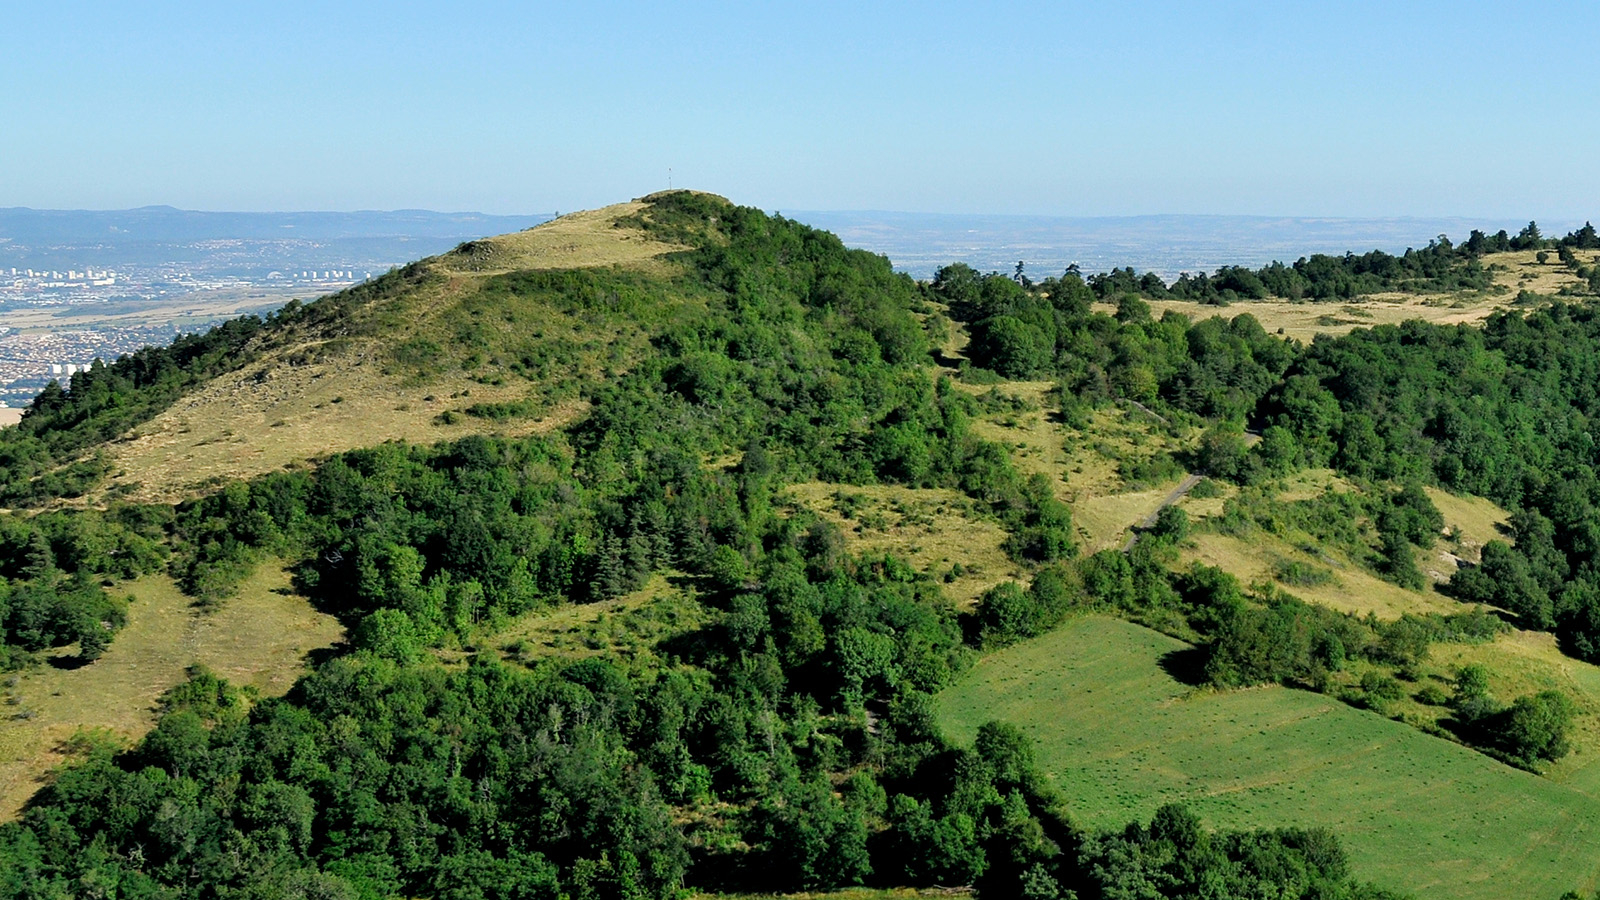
<point x="669" y="178"/>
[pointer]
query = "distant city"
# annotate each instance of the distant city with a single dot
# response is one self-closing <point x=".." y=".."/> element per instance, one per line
<point x="76" y="286"/>
<point x="113" y="312"/>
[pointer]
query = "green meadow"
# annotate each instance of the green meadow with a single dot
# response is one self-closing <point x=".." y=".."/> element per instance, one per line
<point x="1121" y="736"/>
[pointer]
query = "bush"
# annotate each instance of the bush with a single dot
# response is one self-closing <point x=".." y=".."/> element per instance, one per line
<point x="1382" y="686"/>
<point x="1296" y="573"/>
<point x="1432" y="695"/>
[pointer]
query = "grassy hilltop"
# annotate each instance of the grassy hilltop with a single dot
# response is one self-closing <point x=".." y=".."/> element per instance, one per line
<point x="673" y="546"/>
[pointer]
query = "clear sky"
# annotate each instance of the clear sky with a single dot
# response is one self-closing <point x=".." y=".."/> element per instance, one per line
<point x="1325" y="108"/>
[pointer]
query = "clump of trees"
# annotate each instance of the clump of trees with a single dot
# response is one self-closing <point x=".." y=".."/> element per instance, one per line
<point x="1531" y="731"/>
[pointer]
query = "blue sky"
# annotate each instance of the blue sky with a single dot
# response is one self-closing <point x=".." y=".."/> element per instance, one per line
<point x="1339" y="109"/>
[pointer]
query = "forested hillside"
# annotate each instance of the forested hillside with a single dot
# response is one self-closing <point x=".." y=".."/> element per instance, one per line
<point x="777" y="731"/>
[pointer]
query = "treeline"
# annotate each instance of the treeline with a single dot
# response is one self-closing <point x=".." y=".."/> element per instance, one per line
<point x="1440" y="267"/>
<point x="1377" y="528"/>
<point x="789" y="743"/>
<point x="375" y="780"/>
<point x="1212" y="369"/>
<point x="44" y="455"/>
<point x="1503" y="411"/>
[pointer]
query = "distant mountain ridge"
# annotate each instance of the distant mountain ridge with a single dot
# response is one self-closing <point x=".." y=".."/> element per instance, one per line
<point x="245" y="243"/>
<point x="167" y="223"/>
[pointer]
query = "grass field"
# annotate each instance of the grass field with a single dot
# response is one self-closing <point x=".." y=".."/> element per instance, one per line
<point x="932" y="528"/>
<point x="1083" y="467"/>
<point x="1471" y="522"/>
<point x="273" y="415"/>
<point x="587" y="238"/>
<point x="258" y="639"/>
<point x="1304" y="321"/>
<point x="1120" y="737"/>
<point x="1352" y="590"/>
<point x="622" y="628"/>
<point x="1525" y="662"/>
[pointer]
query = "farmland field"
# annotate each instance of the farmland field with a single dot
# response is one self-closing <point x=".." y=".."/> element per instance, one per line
<point x="1120" y="737"/>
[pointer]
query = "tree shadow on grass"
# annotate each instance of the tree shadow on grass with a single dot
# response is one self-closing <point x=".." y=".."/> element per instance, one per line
<point x="69" y="663"/>
<point x="1187" y="666"/>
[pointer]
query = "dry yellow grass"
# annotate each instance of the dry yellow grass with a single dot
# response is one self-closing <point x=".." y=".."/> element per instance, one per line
<point x="1523" y="271"/>
<point x="1472" y="521"/>
<point x="1033" y="440"/>
<point x="270" y="415"/>
<point x="1104" y="509"/>
<point x="1304" y="321"/>
<point x="619" y="628"/>
<point x="581" y="239"/>
<point x="1352" y="590"/>
<point x="1084" y="471"/>
<point x="1105" y="521"/>
<point x="1469" y="523"/>
<point x="9" y="417"/>
<point x="1308" y="483"/>
<point x="284" y="409"/>
<point x="1513" y="272"/>
<point x="1203" y="507"/>
<point x="932" y="528"/>
<point x="258" y="639"/>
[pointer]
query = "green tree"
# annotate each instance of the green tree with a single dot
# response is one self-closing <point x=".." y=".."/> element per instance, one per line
<point x="1537" y="725"/>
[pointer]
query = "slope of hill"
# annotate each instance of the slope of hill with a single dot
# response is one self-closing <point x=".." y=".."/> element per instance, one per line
<point x="1120" y="737"/>
<point x="404" y="367"/>
<point x="694" y="510"/>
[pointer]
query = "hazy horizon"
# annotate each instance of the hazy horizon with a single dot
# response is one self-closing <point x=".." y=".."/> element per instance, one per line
<point x="916" y="243"/>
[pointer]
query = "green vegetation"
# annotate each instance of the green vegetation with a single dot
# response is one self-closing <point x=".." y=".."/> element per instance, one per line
<point x="1119" y="737"/>
<point x="51" y="572"/>
<point x="387" y="773"/>
<point x="1439" y="267"/>
<point x="640" y="654"/>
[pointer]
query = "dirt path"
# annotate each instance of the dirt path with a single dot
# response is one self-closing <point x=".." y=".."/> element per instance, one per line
<point x="1184" y="487"/>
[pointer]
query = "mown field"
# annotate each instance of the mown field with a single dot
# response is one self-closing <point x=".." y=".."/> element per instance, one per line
<point x="1121" y="736"/>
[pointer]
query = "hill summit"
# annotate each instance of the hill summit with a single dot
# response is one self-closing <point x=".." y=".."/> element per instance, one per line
<point x="446" y="346"/>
